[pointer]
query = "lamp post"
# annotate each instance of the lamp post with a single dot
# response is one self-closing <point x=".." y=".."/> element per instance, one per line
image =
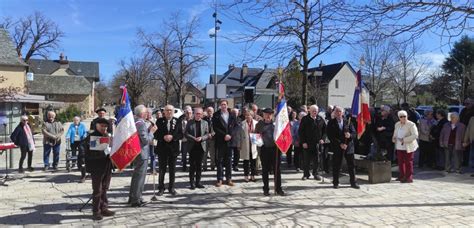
<point x="217" y="27"/>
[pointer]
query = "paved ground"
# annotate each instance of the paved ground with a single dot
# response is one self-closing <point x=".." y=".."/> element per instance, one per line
<point x="434" y="199"/>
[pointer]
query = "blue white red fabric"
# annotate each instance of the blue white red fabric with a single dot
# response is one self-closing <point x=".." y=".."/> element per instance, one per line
<point x="125" y="143"/>
<point x="282" y="133"/>
<point x="360" y="105"/>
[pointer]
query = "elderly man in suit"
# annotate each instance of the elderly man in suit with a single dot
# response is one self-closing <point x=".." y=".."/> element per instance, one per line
<point x="341" y="134"/>
<point x="141" y="161"/>
<point x="197" y="133"/>
<point x="168" y="135"/>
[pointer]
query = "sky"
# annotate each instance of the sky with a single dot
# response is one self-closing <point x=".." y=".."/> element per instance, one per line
<point x="105" y="31"/>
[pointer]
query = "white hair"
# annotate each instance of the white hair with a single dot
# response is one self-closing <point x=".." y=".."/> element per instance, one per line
<point x="51" y="113"/>
<point x="313" y="107"/>
<point x="454" y="114"/>
<point x="77" y="118"/>
<point x="139" y="109"/>
<point x="188" y="108"/>
<point x="402" y="113"/>
<point x="340" y="108"/>
<point x="302" y="114"/>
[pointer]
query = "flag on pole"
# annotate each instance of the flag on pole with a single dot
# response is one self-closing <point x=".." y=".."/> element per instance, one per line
<point x="282" y="133"/>
<point x="360" y="105"/>
<point x="125" y="143"/>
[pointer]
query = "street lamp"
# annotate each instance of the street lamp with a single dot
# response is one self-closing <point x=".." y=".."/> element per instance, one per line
<point x="217" y="27"/>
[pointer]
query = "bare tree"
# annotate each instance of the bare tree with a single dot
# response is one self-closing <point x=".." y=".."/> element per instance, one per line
<point x="35" y="35"/>
<point x="137" y="74"/>
<point x="305" y="28"/>
<point x="175" y="50"/>
<point x="414" y="17"/>
<point x="406" y="70"/>
<point x="377" y="52"/>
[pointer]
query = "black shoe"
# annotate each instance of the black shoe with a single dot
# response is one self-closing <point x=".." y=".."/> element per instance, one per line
<point x="280" y="192"/>
<point x="139" y="204"/>
<point x="355" y="186"/>
<point x="335" y="186"/>
<point x="55" y="169"/>
<point x="21" y="170"/>
<point x="199" y="186"/>
<point x="160" y="192"/>
<point x="213" y="169"/>
<point x="266" y="193"/>
<point x="297" y="170"/>
<point x="236" y="169"/>
<point x="31" y="169"/>
<point x="317" y="177"/>
<point x="173" y="192"/>
<point x="192" y="187"/>
<point x="45" y="168"/>
<point x="304" y="178"/>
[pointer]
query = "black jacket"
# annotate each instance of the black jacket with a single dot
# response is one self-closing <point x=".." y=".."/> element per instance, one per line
<point x="18" y="136"/>
<point x="175" y="130"/>
<point x="312" y="130"/>
<point x="336" y="136"/>
<point x="96" y="160"/>
<point x="221" y="128"/>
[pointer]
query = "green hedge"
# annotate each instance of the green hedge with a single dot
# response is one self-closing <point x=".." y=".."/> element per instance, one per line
<point x="68" y="114"/>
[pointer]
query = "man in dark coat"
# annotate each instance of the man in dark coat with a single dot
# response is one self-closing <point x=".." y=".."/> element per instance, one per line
<point x="223" y="123"/>
<point x="98" y="164"/>
<point x="312" y="133"/>
<point x="341" y="133"/>
<point x="168" y="135"/>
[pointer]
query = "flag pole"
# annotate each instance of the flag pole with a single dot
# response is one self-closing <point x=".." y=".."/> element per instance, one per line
<point x="280" y="71"/>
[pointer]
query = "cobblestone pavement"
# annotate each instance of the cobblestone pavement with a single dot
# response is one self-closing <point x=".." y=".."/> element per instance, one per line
<point x="434" y="199"/>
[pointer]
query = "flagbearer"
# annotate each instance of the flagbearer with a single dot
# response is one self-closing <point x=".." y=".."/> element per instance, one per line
<point x="341" y="134"/>
<point x="98" y="164"/>
<point x="270" y="157"/>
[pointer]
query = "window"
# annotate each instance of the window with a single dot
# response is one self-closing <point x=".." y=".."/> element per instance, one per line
<point x="193" y="99"/>
<point x="337" y="84"/>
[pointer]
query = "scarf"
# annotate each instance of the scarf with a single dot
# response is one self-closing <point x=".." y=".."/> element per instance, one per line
<point x="31" y="142"/>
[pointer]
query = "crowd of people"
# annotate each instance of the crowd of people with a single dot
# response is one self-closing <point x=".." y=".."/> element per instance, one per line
<point x="220" y="140"/>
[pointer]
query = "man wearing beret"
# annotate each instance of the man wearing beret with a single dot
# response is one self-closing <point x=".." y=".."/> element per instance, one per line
<point x="101" y="112"/>
<point x="270" y="157"/>
<point x="98" y="164"/>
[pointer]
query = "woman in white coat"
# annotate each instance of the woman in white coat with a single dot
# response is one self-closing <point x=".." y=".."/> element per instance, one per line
<point x="248" y="151"/>
<point x="405" y="138"/>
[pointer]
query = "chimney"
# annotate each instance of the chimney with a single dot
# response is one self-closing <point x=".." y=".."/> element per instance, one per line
<point x="63" y="62"/>
<point x="231" y="66"/>
<point x="265" y="66"/>
<point x="321" y="64"/>
<point x="244" y="72"/>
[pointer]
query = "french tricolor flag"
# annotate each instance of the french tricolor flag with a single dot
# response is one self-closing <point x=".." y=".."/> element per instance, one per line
<point x="360" y="105"/>
<point x="126" y="143"/>
<point x="282" y="133"/>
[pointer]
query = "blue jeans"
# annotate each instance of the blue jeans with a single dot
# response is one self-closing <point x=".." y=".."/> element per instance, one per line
<point x="47" y="151"/>
<point x="152" y="158"/>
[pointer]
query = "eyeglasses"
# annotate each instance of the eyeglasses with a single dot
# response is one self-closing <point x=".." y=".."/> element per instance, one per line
<point x="402" y="117"/>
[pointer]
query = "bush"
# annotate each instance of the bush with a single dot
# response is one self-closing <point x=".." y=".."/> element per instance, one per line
<point x="68" y="114"/>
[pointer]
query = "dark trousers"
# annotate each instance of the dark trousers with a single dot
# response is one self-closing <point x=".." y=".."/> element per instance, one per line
<point x="152" y="158"/>
<point x="25" y="151"/>
<point x="185" y="146"/>
<point x="325" y="157"/>
<point x="270" y="160"/>
<point x="224" y="160"/>
<point x="235" y="157"/>
<point x="298" y="156"/>
<point x="310" y="156"/>
<point x="427" y="154"/>
<point x="289" y="155"/>
<point x="250" y="166"/>
<point x="405" y="165"/>
<point x="336" y="166"/>
<point x="165" y="160"/>
<point x="195" y="164"/>
<point x="77" y="148"/>
<point x="100" y="185"/>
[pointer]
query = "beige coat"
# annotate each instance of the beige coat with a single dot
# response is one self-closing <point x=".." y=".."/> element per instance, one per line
<point x="245" y="142"/>
<point x="411" y="135"/>
<point x="469" y="133"/>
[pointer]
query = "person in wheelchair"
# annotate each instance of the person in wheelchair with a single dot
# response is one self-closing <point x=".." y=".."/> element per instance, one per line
<point x="75" y="137"/>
